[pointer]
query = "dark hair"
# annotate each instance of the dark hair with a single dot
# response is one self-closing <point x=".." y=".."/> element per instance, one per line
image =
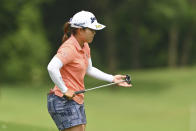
<point x="68" y="30"/>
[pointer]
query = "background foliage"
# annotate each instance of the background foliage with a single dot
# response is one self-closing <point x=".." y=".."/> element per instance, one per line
<point x="139" y="34"/>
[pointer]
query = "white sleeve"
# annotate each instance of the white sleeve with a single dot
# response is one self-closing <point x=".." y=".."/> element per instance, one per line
<point x="54" y="71"/>
<point x="96" y="73"/>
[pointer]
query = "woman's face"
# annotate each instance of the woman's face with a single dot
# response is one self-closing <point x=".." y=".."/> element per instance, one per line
<point x="88" y="34"/>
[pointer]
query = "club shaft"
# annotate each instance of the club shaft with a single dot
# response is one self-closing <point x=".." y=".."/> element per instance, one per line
<point x="103" y="86"/>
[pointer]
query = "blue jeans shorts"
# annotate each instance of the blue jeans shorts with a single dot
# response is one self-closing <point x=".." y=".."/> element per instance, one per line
<point x="65" y="113"/>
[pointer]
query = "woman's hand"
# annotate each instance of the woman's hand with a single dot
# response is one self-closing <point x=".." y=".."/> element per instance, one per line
<point x="70" y="94"/>
<point x="118" y="78"/>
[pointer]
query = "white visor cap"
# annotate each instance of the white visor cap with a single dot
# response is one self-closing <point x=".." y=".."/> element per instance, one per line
<point x="85" y="19"/>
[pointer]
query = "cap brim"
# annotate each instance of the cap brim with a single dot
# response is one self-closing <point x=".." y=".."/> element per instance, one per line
<point x="97" y="26"/>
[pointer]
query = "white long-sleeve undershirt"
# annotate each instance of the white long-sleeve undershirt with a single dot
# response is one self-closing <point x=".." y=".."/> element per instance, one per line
<point x="54" y="71"/>
<point x="96" y="73"/>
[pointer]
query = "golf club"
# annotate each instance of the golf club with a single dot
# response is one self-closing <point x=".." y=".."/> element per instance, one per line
<point x="127" y="79"/>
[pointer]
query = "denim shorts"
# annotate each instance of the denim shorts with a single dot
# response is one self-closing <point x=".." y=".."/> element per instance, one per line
<point x="65" y="113"/>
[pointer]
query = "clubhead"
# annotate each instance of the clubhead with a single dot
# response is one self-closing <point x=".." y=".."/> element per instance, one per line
<point x="128" y="79"/>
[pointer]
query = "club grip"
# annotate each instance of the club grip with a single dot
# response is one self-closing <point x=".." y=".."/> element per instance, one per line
<point x="79" y="92"/>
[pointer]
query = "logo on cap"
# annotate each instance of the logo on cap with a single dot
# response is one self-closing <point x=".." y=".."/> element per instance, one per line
<point x="98" y="26"/>
<point x="93" y="19"/>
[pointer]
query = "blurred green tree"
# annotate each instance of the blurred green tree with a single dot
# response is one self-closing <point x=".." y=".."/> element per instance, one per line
<point x="139" y="34"/>
<point x="173" y="13"/>
<point x="109" y="8"/>
<point x="24" y="48"/>
<point x="189" y="29"/>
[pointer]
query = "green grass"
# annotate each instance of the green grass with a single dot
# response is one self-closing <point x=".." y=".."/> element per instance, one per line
<point x="160" y="100"/>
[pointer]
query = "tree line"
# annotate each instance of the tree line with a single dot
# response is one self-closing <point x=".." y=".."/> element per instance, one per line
<point x="138" y="34"/>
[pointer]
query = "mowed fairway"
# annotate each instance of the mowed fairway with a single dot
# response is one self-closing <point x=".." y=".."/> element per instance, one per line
<point x="161" y="100"/>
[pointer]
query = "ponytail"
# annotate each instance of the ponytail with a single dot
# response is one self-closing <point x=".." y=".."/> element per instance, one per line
<point x="68" y="30"/>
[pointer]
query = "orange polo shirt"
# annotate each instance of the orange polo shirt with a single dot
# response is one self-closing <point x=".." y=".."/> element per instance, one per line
<point x="75" y="63"/>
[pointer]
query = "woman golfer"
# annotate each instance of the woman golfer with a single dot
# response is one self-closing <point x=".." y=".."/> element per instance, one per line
<point x="68" y="68"/>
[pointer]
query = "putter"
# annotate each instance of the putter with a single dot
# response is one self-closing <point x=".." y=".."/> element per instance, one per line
<point x="127" y="79"/>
